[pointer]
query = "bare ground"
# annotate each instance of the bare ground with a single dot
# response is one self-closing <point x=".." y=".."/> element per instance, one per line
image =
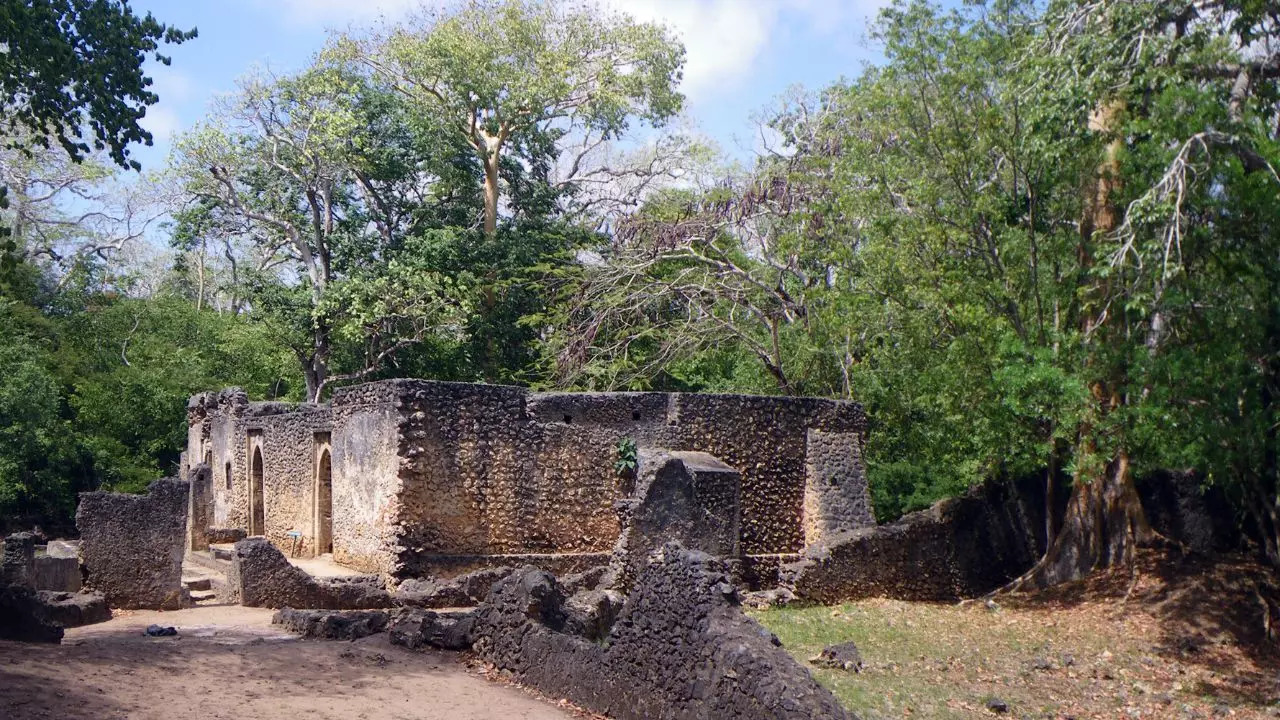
<point x="1171" y="638"/>
<point x="229" y="663"/>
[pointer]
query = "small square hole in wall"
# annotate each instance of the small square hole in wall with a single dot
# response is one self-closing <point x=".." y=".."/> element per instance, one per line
<point x="635" y="414"/>
<point x="568" y="419"/>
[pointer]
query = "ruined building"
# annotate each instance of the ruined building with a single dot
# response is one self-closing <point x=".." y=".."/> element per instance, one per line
<point x="407" y="478"/>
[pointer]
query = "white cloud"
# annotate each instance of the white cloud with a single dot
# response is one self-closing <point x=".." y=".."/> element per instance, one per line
<point x="725" y="39"/>
<point x="162" y="122"/>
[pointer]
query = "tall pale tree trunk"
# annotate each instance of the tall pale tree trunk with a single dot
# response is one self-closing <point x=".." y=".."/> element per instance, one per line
<point x="491" y="194"/>
<point x="1104" y="522"/>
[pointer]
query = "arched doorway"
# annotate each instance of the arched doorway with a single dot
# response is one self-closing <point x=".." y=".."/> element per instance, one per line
<point x="324" y="504"/>
<point x="257" y="517"/>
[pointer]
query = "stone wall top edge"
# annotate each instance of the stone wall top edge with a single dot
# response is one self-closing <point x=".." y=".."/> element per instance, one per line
<point x="392" y="388"/>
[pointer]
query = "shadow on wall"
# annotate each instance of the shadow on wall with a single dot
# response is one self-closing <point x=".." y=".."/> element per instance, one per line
<point x="132" y="545"/>
<point x="970" y="545"/>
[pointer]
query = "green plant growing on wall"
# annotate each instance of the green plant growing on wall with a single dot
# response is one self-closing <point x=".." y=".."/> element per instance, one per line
<point x="627" y="462"/>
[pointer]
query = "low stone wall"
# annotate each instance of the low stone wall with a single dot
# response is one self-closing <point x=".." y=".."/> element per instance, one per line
<point x="331" y="624"/>
<point x="960" y="547"/>
<point x="1181" y="507"/>
<point x="263" y="577"/>
<point x="681" y="648"/>
<point x="132" y="545"/>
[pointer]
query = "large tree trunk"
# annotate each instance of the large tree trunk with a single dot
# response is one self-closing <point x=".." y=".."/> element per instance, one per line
<point x="1104" y="522"/>
<point x="315" y="368"/>
<point x="491" y="194"/>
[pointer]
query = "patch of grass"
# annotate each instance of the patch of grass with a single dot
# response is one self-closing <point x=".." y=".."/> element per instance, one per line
<point x="923" y="660"/>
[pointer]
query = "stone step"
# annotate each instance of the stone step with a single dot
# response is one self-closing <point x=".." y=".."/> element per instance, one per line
<point x="197" y="583"/>
<point x="203" y="562"/>
<point x="204" y="596"/>
<point x="223" y="552"/>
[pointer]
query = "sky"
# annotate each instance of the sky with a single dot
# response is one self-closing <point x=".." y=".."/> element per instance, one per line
<point x="742" y="54"/>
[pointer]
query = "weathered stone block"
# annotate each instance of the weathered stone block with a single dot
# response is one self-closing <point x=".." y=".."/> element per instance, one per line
<point x="331" y="624"/>
<point x="681" y="648"/>
<point x="132" y="545"/>
<point x="75" y="609"/>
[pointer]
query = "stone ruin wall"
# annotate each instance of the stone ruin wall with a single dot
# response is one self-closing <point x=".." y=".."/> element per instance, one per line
<point x="436" y="478"/>
<point x="289" y="458"/>
<point x="366" y="476"/>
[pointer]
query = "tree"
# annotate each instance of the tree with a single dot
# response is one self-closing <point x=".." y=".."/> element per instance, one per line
<point x="72" y="65"/>
<point x="297" y="167"/>
<point x="526" y="75"/>
<point x="72" y="73"/>
<point x="1048" y="227"/>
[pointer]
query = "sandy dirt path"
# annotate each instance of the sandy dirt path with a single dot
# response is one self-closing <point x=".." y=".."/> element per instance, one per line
<point x="229" y="663"/>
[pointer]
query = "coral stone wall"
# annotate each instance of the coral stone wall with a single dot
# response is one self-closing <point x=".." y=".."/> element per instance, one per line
<point x="764" y="438"/>
<point x="366" y="476"/>
<point x="289" y="455"/>
<point x="427" y="473"/>
<point x="216" y="432"/>
<point x="132" y="545"/>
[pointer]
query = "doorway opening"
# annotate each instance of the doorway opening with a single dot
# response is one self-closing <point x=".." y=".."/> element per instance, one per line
<point x="257" y="516"/>
<point x="324" y="503"/>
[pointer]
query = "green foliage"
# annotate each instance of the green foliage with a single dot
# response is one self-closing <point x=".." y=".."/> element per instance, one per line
<point x="76" y="65"/>
<point x="627" y="462"/>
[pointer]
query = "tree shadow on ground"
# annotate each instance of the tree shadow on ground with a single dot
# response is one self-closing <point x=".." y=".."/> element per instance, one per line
<point x="1207" y="608"/>
<point x="119" y="674"/>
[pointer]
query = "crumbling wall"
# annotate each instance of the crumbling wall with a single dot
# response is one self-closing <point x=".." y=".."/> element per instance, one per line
<point x="765" y="438"/>
<point x="681" y="648"/>
<point x="289" y="442"/>
<point x="688" y="497"/>
<point x="132" y="545"/>
<point x="960" y="547"/>
<point x="263" y="577"/>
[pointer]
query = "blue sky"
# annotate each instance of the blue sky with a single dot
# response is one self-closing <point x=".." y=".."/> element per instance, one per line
<point x="742" y="54"/>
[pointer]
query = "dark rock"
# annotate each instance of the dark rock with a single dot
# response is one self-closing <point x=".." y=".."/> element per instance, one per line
<point x="464" y="590"/>
<point x="416" y="628"/>
<point x="160" y="631"/>
<point x="75" y="609"/>
<point x="681" y="648"/>
<point x="588" y="579"/>
<point x="24" y="617"/>
<point x="1041" y="663"/>
<point x="331" y="624"/>
<point x="844" y="656"/>
<point x="591" y="613"/>
<point x="996" y="705"/>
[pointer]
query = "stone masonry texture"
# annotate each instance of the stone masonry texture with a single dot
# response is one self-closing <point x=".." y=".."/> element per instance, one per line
<point x="680" y="648"/>
<point x="132" y="545"/>
<point x="437" y="478"/>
